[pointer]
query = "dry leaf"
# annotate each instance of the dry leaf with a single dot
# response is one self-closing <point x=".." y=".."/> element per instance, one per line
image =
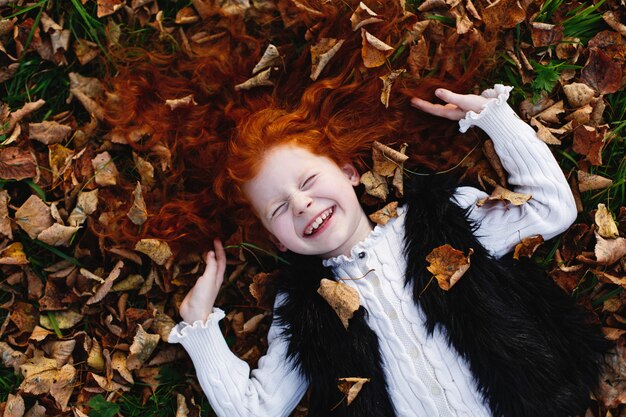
<point x="143" y="345"/>
<point x="362" y="16"/>
<point x="107" y="7"/>
<point x="551" y="114"/>
<point x="108" y="385"/>
<point x="158" y="250"/>
<point x="5" y="221"/>
<point x="138" y="213"/>
<point x="36" y="411"/>
<point x="418" y="59"/>
<point x="608" y="278"/>
<point x="162" y="324"/>
<point x="612" y="389"/>
<point x="611" y="333"/>
<point x="105" y="169"/>
<point x="587" y="181"/>
<point x="375" y="185"/>
<point x="607" y="228"/>
<point x="64" y="319"/>
<point x="87" y="204"/>
<point x="388" y="80"/>
<point x="181" y="406"/>
<point x="270" y="58"/>
<point x="48" y="132"/>
<point x="85" y="51"/>
<point x="544" y="133"/>
<point x="341" y="297"/>
<point x="33" y="216"/>
<point x="463" y="22"/>
<point x="612" y="19"/>
<point x="386" y="160"/>
<point x="13" y="255"/>
<point x="60" y="159"/>
<point x="578" y="94"/>
<point x="63" y="386"/>
<point x="589" y="141"/>
<point x="448" y="265"/>
<point x="321" y="53"/>
<point x="132" y="282"/>
<point x="253" y="323"/>
<point x="145" y="170"/>
<point x="39" y="374"/>
<point x="58" y="234"/>
<point x="373" y="50"/>
<point x="545" y="34"/>
<point x="262" y="79"/>
<point x="601" y="72"/>
<point x="527" y="246"/>
<point x="502" y="194"/>
<point x="95" y="359"/>
<point x="350" y="387"/>
<point x="489" y="151"/>
<point x="186" y="15"/>
<point x="11" y="358"/>
<point x="118" y="362"/>
<point x="17" y="164"/>
<point x="385" y="214"/>
<point x="14" y="406"/>
<point x="503" y="14"/>
<point x="183" y="102"/>
<point x="88" y="91"/>
<point x="104" y="289"/>
<point x="609" y="251"/>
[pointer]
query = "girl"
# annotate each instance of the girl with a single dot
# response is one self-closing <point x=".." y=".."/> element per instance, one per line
<point x="504" y="341"/>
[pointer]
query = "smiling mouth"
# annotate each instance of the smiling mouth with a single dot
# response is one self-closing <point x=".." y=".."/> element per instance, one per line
<point x="319" y="222"/>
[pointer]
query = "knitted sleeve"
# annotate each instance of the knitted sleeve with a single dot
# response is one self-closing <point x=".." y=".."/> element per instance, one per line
<point x="272" y="390"/>
<point x="531" y="168"/>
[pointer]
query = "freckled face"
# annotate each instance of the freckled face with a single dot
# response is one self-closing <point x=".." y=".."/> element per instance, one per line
<point x="307" y="202"/>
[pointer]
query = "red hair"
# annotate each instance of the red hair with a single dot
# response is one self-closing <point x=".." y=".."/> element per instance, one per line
<point x="218" y="144"/>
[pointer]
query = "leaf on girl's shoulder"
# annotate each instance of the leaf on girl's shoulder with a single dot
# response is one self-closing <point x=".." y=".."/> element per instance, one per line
<point x="138" y="213"/>
<point x="386" y="213"/>
<point x="158" y="250"/>
<point x="448" y="265"/>
<point x="386" y="160"/>
<point x="363" y="16"/>
<point x="342" y="298"/>
<point x="183" y="102"/>
<point x="321" y="53"/>
<point x="502" y="194"/>
<point x="587" y="181"/>
<point x="589" y="141"/>
<point x="607" y="228"/>
<point x="375" y="185"/>
<point x="388" y="80"/>
<point x="373" y="50"/>
<point x="350" y="387"/>
<point x="527" y="246"/>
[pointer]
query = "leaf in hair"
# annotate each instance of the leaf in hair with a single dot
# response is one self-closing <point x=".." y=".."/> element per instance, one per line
<point x="321" y="53"/>
<point x="363" y="16"/>
<point x="374" y="51"/>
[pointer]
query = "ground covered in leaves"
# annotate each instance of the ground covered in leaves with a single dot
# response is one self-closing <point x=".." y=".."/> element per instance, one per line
<point x="84" y="322"/>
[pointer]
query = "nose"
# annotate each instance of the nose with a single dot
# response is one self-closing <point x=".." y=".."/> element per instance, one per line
<point x="300" y="202"/>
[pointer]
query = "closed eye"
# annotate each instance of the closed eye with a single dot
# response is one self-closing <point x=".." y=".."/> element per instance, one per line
<point x="308" y="182"/>
<point x="278" y="209"/>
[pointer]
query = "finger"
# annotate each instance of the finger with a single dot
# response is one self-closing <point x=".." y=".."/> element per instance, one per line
<point x="210" y="269"/>
<point x="465" y="102"/>
<point x="221" y="260"/>
<point x="449" y="111"/>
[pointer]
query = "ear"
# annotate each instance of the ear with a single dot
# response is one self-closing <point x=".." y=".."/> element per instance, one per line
<point x="352" y="174"/>
<point x="278" y="243"/>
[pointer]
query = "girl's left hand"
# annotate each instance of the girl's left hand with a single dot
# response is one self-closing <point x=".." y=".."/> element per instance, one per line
<point x="457" y="104"/>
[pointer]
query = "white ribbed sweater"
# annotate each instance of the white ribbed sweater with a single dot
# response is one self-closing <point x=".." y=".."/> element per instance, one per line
<point x="425" y="376"/>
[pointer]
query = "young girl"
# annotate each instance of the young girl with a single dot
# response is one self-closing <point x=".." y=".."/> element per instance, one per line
<point x="504" y="341"/>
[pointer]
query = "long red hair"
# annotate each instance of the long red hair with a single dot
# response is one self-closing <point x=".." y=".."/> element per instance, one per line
<point x="218" y="144"/>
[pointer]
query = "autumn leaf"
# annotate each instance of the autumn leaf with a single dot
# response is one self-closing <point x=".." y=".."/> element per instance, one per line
<point x="587" y="181"/>
<point x="373" y="50"/>
<point x="142" y="347"/>
<point x="502" y="194"/>
<point x="388" y="80"/>
<point x="578" y="94"/>
<point x="545" y="34"/>
<point x="158" y="250"/>
<point x="49" y="132"/>
<point x="62" y="319"/>
<point x="609" y="251"/>
<point x="448" y="265"/>
<point x="13" y="255"/>
<point x="375" y="185"/>
<point x="33" y="216"/>
<point x="351" y="387"/>
<point x="527" y="246"/>
<point x="385" y="214"/>
<point x="270" y="58"/>
<point x="544" y="133"/>
<point x="418" y="59"/>
<point x="551" y="114"/>
<point x="386" y="160"/>
<point x="601" y="72"/>
<point x="138" y="213"/>
<point x="58" y="234"/>
<point x="87" y="204"/>
<point x="607" y="228"/>
<point x="589" y="141"/>
<point x="321" y="53"/>
<point x="17" y="164"/>
<point x="107" y="7"/>
<point x="341" y="297"/>
<point x="14" y="406"/>
<point x="363" y="16"/>
<point x="105" y="169"/>
<point x="503" y="14"/>
<point x="183" y="102"/>
<point x="86" y="51"/>
<point x="88" y="91"/>
<point x="262" y="79"/>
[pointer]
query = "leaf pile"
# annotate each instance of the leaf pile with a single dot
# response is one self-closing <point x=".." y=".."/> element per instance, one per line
<point x="84" y="321"/>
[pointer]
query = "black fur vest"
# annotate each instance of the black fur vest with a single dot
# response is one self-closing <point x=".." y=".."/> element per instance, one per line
<point x="528" y="346"/>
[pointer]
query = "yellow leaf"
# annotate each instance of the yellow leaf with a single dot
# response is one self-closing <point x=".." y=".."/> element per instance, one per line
<point x="341" y="297"/>
<point x="448" y="265"/>
<point x="158" y="250"/>
<point x="13" y="255"/>
<point x="350" y="387"/>
<point x="385" y="214"/>
<point x="607" y="228"/>
<point x="373" y="50"/>
<point x="143" y="345"/>
<point x="321" y="53"/>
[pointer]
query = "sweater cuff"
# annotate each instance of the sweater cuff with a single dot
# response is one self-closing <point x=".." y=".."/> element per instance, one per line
<point x="184" y="330"/>
<point x="493" y="112"/>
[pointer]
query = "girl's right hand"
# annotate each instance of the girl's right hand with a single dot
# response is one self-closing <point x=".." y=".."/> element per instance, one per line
<point x="198" y="303"/>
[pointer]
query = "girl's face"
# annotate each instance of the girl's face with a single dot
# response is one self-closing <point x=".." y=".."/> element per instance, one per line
<point x="307" y="202"/>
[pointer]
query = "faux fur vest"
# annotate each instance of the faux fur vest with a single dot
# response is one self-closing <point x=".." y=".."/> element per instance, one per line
<point x="528" y="346"/>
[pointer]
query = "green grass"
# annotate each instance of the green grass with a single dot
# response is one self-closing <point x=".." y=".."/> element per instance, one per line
<point x="8" y="382"/>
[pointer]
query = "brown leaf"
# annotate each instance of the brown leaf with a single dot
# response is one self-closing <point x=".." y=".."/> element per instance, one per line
<point x="503" y="14"/>
<point x="13" y="255"/>
<point x="186" y="15"/>
<point x="502" y="194"/>
<point x="612" y="19"/>
<point x="611" y="333"/>
<point x="183" y="102"/>
<point x="341" y="297"/>
<point x="373" y="50"/>
<point x="5" y="221"/>
<point x="388" y="80"/>
<point x="386" y="160"/>
<point x="158" y="250"/>
<point x="107" y="7"/>
<point x="88" y="91"/>
<point x="545" y="34"/>
<point x="63" y="386"/>
<point x="601" y="72"/>
<point x="527" y="246"/>
<point x="448" y="265"/>
<point x="132" y="282"/>
<point x="578" y="94"/>
<point x="39" y="374"/>
<point x="252" y="323"/>
<point x="270" y="58"/>
<point x="607" y="228"/>
<point x="36" y="411"/>
<point x="138" y="213"/>
<point x="61" y="350"/>
<point x="262" y="79"/>
<point x="587" y="181"/>
<point x="105" y="169"/>
<point x="104" y="289"/>
<point x="181" y="406"/>
<point x="48" y="132"/>
<point x="33" y="216"/>
<point x="17" y="164"/>
<point x="363" y="16"/>
<point x="582" y="115"/>
<point x="463" y="22"/>
<point x="551" y="114"/>
<point x="58" y="235"/>
<point x="64" y="319"/>
<point x="118" y="362"/>
<point x="17" y="116"/>
<point x="609" y="251"/>
<point x="143" y="345"/>
<point x="14" y="406"/>
<point x="85" y="51"/>
<point x="108" y="385"/>
<point x="145" y="170"/>
<point x="10" y="357"/>
<point x="544" y="133"/>
<point x="87" y="204"/>
<point x="489" y="151"/>
<point x="418" y="59"/>
<point x="321" y="53"/>
<point x="60" y="159"/>
<point x="589" y="141"/>
<point x="385" y="214"/>
<point x="612" y="389"/>
<point x="350" y="387"/>
<point x="375" y="185"/>
<point x="95" y="359"/>
<point x="608" y="278"/>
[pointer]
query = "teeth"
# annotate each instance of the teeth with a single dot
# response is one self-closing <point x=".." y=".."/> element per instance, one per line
<point x="317" y="222"/>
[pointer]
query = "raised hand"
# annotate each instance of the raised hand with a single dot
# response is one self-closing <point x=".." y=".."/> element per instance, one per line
<point x="198" y="303"/>
<point x="457" y="104"/>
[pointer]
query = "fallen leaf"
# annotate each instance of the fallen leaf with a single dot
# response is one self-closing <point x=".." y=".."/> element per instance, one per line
<point x="341" y="297"/>
<point x="143" y="345"/>
<point x="145" y="170"/>
<point x="589" y="141"/>
<point x="578" y="94"/>
<point x="270" y="58"/>
<point x="86" y="51"/>
<point x="13" y="255"/>
<point x="429" y="5"/>
<point x="162" y="324"/>
<point x="418" y="59"/>
<point x="48" y="132"/>
<point x="544" y="133"/>
<point x="88" y="91"/>
<point x="463" y="22"/>
<point x="108" y="385"/>
<point x="104" y="289"/>
<point x="388" y="80"/>
<point x="186" y="15"/>
<point x="321" y="53"/>
<point x="61" y="350"/>
<point x="118" y="362"/>
<point x="18" y="115"/>
<point x="502" y="194"/>
<point x="33" y="216"/>
<point x="568" y="48"/>
<point x="63" y="386"/>
<point x="373" y="50"/>
<point x="11" y="358"/>
<point x="252" y="324"/>
<point x="375" y="185"/>
<point x="158" y="250"/>
<point x="262" y="79"/>
<point x="608" y="278"/>
<point x="64" y="319"/>
<point x="609" y="251"/>
<point x="545" y="34"/>
<point x="8" y="72"/>
<point x="36" y="411"/>
<point x="39" y="374"/>
<point x="551" y="114"/>
<point x="5" y="221"/>
<point x="386" y="160"/>
<point x="133" y="282"/>
<point x="181" y="406"/>
<point x="108" y="7"/>
<point x="607" y="228"/>
<point x="60" y="159"/>
<point x="529" y="107"/>
<point x="183" y="102"/>
<point x="611" y="333"/>
<point x="95" y="359"/>
<point x="105" y="169"/>
<point x="587" y="181"/>
<point x="601" y="72"/>
<point x="58" y="235"/>
<point x="503" y="14"/>
<point x="448" y="265"/>
<point x="138" y="213"/>
<point x="350" y="387"/>
<point x="385" y="214"/>
<point x="363" y="16"/>
<point x="612" y="19"/>
<point x="612" y="389"/>
<point x="14" y="406"/>
<point x="527" y="246"/>
<point x="87" y="204"/>
<point x="39" y="333"/>
<point x="17" y="164"/>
